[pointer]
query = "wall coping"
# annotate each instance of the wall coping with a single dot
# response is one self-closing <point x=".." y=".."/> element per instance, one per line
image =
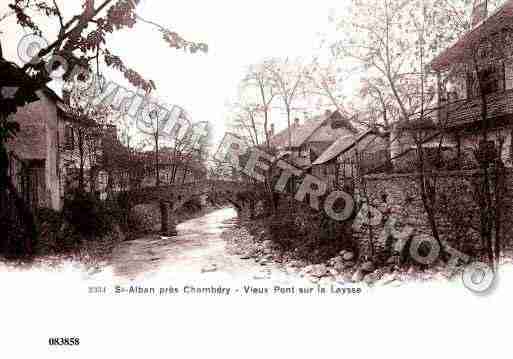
<point x="457" y="173"/>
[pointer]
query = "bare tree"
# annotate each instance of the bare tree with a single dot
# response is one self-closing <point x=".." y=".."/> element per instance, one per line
<point x="482" y="49"/>
<point x="287" y="77"/>
<point x="392" y="41"/>
<point x="259" y="80"/>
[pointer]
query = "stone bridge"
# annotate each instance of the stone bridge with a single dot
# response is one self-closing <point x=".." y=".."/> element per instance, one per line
<point x="173" y="197"/>
<point x="179" y="194"/>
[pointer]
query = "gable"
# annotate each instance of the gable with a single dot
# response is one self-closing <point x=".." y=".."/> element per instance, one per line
<point x="30" y="141"/>
<point x="317" y="129"/>
<point x="498" y="21"/>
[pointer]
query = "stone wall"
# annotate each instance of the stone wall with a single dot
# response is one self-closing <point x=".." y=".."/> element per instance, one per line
<point x="457" y="213"/>
<point x="147" y="217"/>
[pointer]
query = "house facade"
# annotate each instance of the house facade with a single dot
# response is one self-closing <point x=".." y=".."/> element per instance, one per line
<point x="45" y="154"/>
<point x="34" y="152"/>
<point x="306" y="142"/>
<point x="351" y="157"/>
<point x="477" y="70"/>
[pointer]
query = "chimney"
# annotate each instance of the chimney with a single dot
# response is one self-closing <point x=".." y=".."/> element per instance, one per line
<point x="296" y="121"/>
<point x="479" y="11"/>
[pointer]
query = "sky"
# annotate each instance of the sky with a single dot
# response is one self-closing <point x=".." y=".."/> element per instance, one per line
<point x="238" y="33"/>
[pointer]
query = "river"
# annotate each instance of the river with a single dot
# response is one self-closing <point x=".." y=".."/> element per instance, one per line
<point x="198" y="253"/>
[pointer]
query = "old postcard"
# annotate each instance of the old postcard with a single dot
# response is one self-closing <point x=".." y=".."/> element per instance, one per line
<point x="256" y="178"/>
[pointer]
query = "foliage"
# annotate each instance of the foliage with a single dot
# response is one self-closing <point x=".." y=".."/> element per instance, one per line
<point x="89" y="216"/>
<point x="308" y="234"/>
<point x="83" y="37"/>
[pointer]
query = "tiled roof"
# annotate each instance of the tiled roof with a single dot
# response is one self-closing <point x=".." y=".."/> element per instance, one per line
<point x="311" y="130"/>
<point x="328" y="134"/>
<point x="341" y="145"/>
<point x="299" y="133"/>
<point x="456" y="52"/>
<point x="426" y="123"/>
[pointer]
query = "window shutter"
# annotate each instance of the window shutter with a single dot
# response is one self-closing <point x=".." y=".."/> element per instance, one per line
<point x="499" y="74"/>
<point x="463" y="86"/>
<point x="472" y="85"/>
<point x="508" y="74"/>
<point x="460" y="87"/>
<point x="69" y="137"/>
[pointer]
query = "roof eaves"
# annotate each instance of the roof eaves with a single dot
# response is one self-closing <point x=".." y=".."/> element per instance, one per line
<point x="335" y="151"/>
<point x="444" y="59"/>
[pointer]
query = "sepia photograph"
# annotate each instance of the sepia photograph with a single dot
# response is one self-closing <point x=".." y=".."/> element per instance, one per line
<point x="256" y="178"/>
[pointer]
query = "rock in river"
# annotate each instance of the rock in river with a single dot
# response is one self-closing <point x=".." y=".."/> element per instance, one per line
<point x="357" y="276"/>
<point x="368" y="267"/>
<point x="209" y="268"/>
<point x="348" y="256"/>
<point x="319" y="270"/>
<point x="349" y="264"/>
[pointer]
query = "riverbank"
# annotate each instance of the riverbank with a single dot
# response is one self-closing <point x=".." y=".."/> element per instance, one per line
<point x="58" y="244"/>
<point x="250" y="241"/>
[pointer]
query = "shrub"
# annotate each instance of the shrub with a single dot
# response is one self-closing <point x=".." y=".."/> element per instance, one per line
<point x="193" y="205"/>
<point x="309" y="235"/>
<point x="49" y="224"/>
<point x="90" y="216"/>
<point x="143" y="219"/>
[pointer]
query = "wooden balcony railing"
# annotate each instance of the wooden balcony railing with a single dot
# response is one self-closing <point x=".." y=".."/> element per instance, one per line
<point x="467" y="111"/>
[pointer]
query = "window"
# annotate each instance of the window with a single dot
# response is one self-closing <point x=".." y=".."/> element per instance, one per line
<point x="487" y="151"/>
<point x="492" y="80"/>
<point x="68" y="138"/>
<point x="489" y="80"/>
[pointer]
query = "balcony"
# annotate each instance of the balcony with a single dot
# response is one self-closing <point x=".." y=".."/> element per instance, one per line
<point x="463" y="112"/>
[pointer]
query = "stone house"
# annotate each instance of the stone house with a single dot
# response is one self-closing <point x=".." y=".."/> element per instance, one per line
<point x="481" y="61"/>
<point x="451" y="131"/>
<point x="44" y="155"/>
<point x="351" y="157"/>
<point x="310" y="140"/>
<point x="34" y="152"/>
<point x="455" y="126"/>
<point x="439" y="147"/>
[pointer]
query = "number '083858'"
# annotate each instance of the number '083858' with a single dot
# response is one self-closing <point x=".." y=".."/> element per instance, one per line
<point x="60" y="341"/>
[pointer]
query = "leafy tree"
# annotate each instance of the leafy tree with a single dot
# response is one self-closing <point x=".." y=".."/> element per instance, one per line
<point x="81" y="41"/>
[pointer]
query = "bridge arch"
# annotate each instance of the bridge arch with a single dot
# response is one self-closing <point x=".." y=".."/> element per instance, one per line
<point x="171" y="198"/>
